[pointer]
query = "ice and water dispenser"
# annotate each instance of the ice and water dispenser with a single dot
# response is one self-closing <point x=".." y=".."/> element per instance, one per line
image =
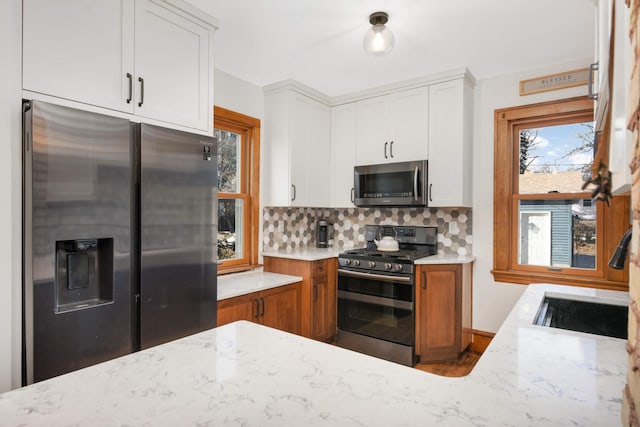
<point x="84" y="274"/>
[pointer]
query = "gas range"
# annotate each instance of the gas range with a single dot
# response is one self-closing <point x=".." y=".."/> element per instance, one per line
<point x="376" y="293"/>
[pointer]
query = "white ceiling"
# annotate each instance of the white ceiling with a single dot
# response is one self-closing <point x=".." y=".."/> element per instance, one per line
<point x="319" y="42"/>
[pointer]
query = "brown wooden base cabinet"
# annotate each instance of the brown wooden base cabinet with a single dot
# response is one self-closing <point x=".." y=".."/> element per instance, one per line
<point x="443" y="311"/>
<point x="319" y="298"/>
<point x="277" y="307"/>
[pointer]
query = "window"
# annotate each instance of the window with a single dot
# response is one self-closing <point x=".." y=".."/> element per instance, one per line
<point x="546" y="227"/>
<point x="238" y="189"/>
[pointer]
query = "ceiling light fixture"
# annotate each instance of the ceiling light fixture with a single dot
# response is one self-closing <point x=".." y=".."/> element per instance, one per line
<point x="378" y="40"/>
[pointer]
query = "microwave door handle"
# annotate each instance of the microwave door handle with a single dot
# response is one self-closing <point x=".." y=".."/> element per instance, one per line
<point x="415" y="184"/>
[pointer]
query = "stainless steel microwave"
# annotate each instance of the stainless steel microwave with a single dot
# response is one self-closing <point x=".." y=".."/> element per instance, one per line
<point x="391" y="184"/>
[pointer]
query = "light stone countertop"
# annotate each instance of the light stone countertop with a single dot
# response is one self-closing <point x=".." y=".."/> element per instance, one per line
<point x="445" y="259"/>
<point x="251" y="375"/>
<point x="315" y="254"/>
<point x="233" y="285"/>
<point x="305" y="253"/>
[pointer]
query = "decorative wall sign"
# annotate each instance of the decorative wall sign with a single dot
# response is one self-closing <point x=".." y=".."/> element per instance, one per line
<point x="555" y="81"/>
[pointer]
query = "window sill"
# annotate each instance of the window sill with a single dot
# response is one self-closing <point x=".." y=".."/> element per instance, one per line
<point x="526" y="278"/>
<point x="237" y="269"/>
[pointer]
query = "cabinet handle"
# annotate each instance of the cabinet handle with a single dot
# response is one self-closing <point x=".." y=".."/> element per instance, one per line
<point x="141" y="80"/>
<point x="130" y="77"/>
<point x="257" y="308"/>
<point x="430" y="188"/>
<point x="415" y="184"/>
<point x="592" y="69"/>
<point x="353" y="195"/>
<point x="391" y="149"/>
<point x="293" y="197"/>
<point x="385" y="150"/>
<point x="315" y="292"/>
<point x="262" y="311"/>
<point x="424" y="280"/>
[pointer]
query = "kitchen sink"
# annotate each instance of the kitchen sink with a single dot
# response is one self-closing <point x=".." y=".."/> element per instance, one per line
<point x="599" y="318"/>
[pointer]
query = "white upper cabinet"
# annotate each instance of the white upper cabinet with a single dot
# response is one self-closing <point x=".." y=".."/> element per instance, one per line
<point x="450" y="143"/>
<point x="151" y="58"/>
<point x="621" y="139"/>
<point x="393" y="128"/>
<point x="172" y="59"/>
<point x="79" y="50"/>
<point x="297" y="150"/>
<point x="344" y="134"/>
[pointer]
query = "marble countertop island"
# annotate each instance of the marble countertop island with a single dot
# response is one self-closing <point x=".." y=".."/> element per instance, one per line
<point x="244" y="374"/>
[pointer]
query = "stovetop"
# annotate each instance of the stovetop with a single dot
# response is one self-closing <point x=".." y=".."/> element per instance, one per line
<point x="400" y="255"/>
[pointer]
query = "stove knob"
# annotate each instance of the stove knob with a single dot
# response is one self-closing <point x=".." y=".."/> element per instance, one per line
<point x="346" y="261"/>
<point x="356" y="262"/>
<point x="387" y="266"/>
<point x="398" y="267"/>
<point x="371" y="264"/>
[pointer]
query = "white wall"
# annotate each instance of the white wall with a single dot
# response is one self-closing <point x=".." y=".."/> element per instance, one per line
<point x="10" y="193"/>
<point x="492" y="301"/>
<point x="238" y="95"/>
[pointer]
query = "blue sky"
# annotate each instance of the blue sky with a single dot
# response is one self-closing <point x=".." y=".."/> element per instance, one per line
<point x="552" y="143"/>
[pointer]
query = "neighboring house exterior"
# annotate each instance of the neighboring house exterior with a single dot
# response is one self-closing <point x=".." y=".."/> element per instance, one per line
<point x="556" y="232"/>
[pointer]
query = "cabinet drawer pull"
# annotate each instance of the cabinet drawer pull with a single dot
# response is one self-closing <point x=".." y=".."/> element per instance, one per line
<point x="257" y="308"/>
<point x="293" y="192"/>
<point x="385" y="150"/>
<point x="430" y="191"/>
<point x="262" y="311"/>
<point x="141" y="80"/>
<point x="130" y="78"/>
<point x="315" y="292"/>
<point x="391" y="149"/>
<point x="424" y="280"/>
<point x="353" y="195"/>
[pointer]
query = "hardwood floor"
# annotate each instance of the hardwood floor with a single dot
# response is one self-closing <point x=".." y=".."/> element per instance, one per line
<point x="459" y="368"/>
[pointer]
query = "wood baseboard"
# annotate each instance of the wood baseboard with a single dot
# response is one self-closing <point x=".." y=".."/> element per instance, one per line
<point x="480" y="340"/>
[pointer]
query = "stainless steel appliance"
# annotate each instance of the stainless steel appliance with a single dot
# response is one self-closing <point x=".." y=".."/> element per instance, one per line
<point x="391" y="184"/>
<point x="376" y="293"/>
<point x="119" y="237"/>
<point x="323" y="233"/>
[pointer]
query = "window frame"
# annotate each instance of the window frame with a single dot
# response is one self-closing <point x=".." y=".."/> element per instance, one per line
<point x="612" y="221"/>
<point x="249" y="191"/>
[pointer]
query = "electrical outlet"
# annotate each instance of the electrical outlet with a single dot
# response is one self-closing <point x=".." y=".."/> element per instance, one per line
<point x="453" y="227"/>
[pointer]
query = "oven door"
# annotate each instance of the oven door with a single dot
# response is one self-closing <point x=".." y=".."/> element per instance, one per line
<point x="377" y="306"/>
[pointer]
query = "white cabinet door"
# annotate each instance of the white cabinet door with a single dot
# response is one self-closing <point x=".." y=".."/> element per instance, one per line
<point x="172" y="67"/>
<point x="297" y="150"/>
<point x="344" y="135"/>
<point x="318" y="157"/>
<point x="409" y="135"/>
<point x="450" y="143"/>
<point x="79" y="50"/>
<point x="373" y="131"/>
<point x="393" y="128"/>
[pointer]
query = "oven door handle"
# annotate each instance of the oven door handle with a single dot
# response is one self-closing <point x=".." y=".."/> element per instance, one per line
<point x="387" y="302"/>
<point x="381" y="277"/>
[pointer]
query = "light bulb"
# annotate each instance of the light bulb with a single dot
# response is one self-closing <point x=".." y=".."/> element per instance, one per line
<point x="378" y="40"/>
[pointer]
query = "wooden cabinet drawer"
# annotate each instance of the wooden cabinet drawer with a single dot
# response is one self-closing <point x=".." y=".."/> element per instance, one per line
<point x="320" y="269"/>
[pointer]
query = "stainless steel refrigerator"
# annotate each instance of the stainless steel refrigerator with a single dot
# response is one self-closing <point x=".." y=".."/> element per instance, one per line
<point x="119" y="237"/>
